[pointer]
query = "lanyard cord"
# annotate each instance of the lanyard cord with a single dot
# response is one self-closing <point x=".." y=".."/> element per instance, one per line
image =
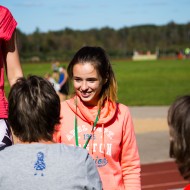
<point x="76" y="130"/>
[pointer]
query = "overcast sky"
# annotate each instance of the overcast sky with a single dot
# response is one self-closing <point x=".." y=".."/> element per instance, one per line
<point x="85" y="14"/>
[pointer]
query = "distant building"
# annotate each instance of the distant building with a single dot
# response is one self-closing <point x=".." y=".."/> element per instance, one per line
<point x="140" y="57"/>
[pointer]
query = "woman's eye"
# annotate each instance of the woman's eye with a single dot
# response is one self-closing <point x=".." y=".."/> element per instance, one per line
<point x="77" y="80"/>
<point x="92" y="80"/>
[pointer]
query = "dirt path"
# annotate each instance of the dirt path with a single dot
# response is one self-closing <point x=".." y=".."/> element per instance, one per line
<point x="149" y="119"/>
<point x="152" y="134"/>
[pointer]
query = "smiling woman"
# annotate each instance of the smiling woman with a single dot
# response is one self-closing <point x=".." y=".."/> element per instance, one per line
<point x="94" y="120"/>
<point x="87" y="83"/>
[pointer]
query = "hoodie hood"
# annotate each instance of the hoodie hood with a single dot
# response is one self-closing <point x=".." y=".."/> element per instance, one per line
<point x="89" y="113"/>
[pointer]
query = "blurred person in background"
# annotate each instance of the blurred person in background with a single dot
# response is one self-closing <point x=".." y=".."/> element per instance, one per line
<point x="64" y="84"/>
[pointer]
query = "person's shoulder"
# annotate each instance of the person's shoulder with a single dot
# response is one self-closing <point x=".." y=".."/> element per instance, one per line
<point x="66" y="103"/>
<point x="123" y="107"/>
<point x="6" y="149"/>
<point x="4" y="11"/>
<point x="74" y="149"/>
<point x="6" y="153"/>
<point x="124" y="111"/>
<point x="7" y="23"/>
<point x="70" y="152"/>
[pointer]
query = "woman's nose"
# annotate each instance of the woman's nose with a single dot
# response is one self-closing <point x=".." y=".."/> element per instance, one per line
<point x="84" y="85"/>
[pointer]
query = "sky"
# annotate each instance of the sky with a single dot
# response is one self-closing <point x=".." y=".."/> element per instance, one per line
<point x="54" y="15"/>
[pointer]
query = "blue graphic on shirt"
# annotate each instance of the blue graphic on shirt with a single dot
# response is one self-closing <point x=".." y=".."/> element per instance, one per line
<point x="100" y="162"/>
<point x="40" y="164"/>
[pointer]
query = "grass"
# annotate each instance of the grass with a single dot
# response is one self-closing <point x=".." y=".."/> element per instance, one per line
<point x="140" y="83"/>
<point x="152" y="82"/>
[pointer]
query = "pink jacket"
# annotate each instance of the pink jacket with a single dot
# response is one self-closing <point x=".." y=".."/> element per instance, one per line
<point x="7" y="27"/>
<point x="113" y="144"/>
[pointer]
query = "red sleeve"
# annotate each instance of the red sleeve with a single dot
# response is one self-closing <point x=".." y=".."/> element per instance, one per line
<point x="7" y="23"/>
<point x="187" y="187"/>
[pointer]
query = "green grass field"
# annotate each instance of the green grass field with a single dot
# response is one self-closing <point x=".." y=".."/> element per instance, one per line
<point x="140" y="83"/>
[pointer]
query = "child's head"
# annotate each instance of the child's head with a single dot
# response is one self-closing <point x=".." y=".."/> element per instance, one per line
<point x="179" y="125"/>
<point x="97" y="57"/>
<point x="34" y="109"/>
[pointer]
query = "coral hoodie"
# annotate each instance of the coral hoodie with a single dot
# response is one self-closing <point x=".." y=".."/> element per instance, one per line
<point x="112" y="145"/>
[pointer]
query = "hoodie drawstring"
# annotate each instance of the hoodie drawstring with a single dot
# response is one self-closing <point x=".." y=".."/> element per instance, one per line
<point x="92" y="130"/>
<point x="103" y="144"/>
<point x="92" y="137"/>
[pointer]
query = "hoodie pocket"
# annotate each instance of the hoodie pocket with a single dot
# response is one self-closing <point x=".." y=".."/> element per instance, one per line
<point x="111" y="183"/>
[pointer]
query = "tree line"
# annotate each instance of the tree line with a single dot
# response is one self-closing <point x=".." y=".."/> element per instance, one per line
<point x="61" y="45"/>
